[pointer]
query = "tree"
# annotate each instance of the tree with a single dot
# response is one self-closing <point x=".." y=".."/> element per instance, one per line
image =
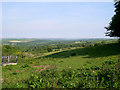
<point x="49" y="49"/>
<point x="7" y="50"/>
<point x="113" y="30"/>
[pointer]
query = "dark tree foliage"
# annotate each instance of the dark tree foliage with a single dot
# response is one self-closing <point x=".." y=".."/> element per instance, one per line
<point x="49" y="49"/>
<point x="113" y="30"/>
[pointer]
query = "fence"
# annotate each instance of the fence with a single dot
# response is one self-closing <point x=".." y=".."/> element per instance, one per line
<point x="9" y="60"/>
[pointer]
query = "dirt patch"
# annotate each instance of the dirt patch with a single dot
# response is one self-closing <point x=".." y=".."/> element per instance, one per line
<point x="37" y="66"/>
<point x="20" y="70"/>
<point x="2" y="80"/>
<point x="31" y="64"/>
<point x="41" y="66"/>
<point x="40" y="70"/>
<point x="44" y="67"/>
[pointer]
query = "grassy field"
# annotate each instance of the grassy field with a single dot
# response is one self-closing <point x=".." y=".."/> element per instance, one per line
<point x="90" y="67"/>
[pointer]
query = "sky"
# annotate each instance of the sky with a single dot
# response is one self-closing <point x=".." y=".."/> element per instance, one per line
<point x="56" y="19"/>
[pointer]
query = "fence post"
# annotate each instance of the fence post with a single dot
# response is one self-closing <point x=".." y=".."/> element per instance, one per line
<point x="2" y="60"/>
<point x="8" y="59"/>
<point x="16" y="59"/>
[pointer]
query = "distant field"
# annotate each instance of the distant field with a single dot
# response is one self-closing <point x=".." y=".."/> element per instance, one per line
<point x="20" y="41"/>
<point x="7" y="41"/>
<point x="17" y="41"/>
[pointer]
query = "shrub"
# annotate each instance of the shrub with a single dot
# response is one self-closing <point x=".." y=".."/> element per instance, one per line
<point x="24" y="66"/>
<point x="73" y="54"/>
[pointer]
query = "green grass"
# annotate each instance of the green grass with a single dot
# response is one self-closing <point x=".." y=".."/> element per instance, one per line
<point x="76" y="61"/>
<point x="82" y="60"/>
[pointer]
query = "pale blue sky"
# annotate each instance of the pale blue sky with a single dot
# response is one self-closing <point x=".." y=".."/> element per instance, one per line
<point x="56" y="20"/>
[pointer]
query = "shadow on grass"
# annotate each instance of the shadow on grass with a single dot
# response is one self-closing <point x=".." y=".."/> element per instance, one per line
<point x="92" y="52"/>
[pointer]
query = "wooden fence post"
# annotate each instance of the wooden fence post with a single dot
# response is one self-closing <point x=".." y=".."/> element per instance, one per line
<point x="8" y="59"/>
<point x="16" y="59"/>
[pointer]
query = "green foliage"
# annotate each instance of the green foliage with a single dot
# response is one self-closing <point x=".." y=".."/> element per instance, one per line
<point x="49" y="49"/>
<point x="105" y="76"/>
<point x="8" y="50"/>
<point x="113" y="30"/>
<point x="24" y="66"/>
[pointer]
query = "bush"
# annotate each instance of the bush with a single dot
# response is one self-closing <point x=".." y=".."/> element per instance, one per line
<point x="73" y="54"/>
<point x="24" y="66"/>
<point x="105" y="76"/>
<point x="109" y="62"/>
<point x="49" y="49"/>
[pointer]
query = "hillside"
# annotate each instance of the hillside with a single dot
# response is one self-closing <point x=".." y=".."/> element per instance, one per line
<point x="93" y="51"/>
